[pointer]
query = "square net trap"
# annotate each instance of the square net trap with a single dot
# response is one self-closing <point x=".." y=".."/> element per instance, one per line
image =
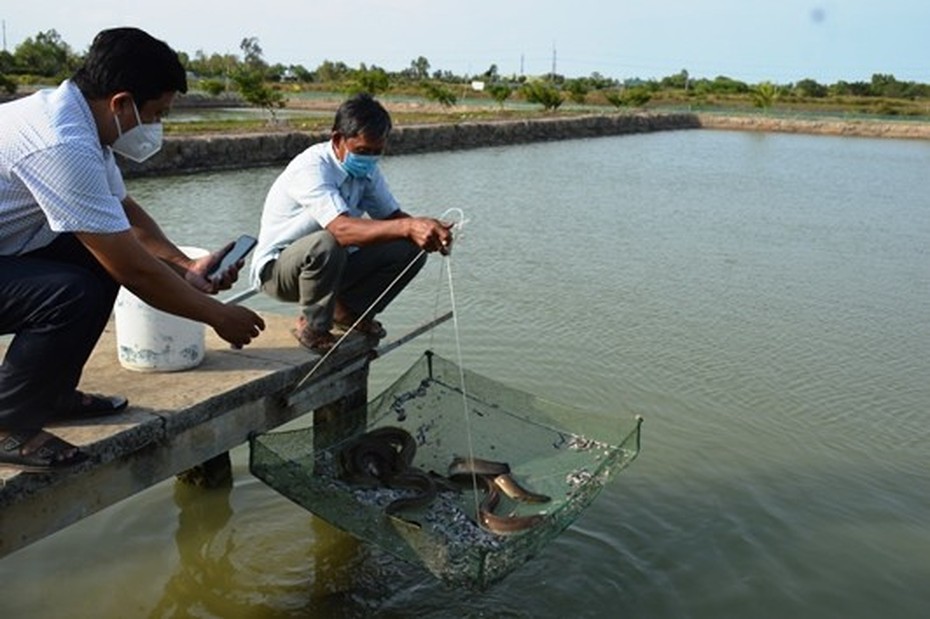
<point x="469" y="483"/>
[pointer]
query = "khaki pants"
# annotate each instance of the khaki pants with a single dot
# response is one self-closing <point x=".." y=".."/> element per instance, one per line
<point x="315" y="272"/>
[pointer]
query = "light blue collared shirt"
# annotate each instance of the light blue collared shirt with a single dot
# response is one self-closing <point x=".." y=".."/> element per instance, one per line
<point x="311" y="192"/>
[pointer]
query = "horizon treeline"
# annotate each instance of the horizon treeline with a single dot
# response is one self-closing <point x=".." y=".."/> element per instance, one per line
<point x="46" y="57"/>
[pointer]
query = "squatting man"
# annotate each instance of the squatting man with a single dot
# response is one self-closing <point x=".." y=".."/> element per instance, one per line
<point x="334" y="239"/>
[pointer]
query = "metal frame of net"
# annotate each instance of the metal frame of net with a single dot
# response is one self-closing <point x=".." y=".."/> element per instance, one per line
<point x="552" y="449"/>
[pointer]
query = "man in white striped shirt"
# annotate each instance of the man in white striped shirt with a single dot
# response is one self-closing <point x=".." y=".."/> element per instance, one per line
<point x="70" y="235"/>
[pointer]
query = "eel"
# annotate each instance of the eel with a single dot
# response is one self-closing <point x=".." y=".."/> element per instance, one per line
<point x="476" y="466"/>
<point x="384" y="457"/>
<point x="502" y="525"/>
<point x="495" y="478"/>
<point x="515" y="491"/>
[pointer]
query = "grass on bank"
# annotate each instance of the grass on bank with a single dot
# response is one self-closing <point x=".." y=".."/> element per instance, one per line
<point x="401" y="117"/>
<point x="410" y="109"/>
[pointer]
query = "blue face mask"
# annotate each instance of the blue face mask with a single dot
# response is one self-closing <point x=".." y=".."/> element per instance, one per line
<point x="359" y="166"/>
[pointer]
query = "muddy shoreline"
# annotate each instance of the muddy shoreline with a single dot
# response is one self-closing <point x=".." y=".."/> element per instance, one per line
<point x="902" y="129"/>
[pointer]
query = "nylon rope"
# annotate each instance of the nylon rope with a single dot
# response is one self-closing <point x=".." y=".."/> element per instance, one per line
<point x="374" y="303"/>
<point x="457" y="228"/>
<point x="332" y="348"/>
<point x="461" y="364"/>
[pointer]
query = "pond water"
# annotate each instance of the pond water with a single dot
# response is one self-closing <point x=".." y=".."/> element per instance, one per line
<point x="761" y="300"/>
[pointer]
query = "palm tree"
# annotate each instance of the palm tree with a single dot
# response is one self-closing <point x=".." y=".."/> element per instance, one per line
<point x="764" y="95"/>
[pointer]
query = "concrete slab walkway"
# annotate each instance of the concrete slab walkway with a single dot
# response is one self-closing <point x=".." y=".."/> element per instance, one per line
<point x="176" y="421"/>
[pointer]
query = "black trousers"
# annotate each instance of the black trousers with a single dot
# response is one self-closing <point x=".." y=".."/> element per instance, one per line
<point x="56" y="301"/>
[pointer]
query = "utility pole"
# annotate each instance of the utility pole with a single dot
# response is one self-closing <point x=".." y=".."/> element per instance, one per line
<point x="553" y="62"/>
<point x="4" y="35"/>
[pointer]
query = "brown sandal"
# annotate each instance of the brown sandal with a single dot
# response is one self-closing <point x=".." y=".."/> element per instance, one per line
<point x="311" y="339"/>
<point x="366" y="327"/>
<point x="37" y="451"/>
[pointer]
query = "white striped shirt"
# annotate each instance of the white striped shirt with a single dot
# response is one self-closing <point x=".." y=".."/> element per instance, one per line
<point x="55" y="176"/>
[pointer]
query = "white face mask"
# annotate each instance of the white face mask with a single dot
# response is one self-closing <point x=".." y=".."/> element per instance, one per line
<point x="140" y="142"/>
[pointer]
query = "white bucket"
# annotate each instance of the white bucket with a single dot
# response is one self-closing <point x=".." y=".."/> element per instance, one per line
<point x="150" y="340"/>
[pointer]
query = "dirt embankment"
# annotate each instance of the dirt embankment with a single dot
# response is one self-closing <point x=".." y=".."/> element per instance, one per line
<point x="184" y="155"/>
<point x="223" y="152"/>
<point x="854" y="127"/>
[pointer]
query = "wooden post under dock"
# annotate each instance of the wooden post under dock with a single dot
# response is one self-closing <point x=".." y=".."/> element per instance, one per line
<point x="179" y="420"/>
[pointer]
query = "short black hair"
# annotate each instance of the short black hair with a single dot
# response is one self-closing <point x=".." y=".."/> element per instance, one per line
<point x="129" y="59"/>
<point x="361" y="114"/>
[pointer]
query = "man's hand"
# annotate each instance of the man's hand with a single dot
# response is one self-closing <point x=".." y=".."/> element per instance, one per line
<point x="197" y="269"/>
<point x="237" y="325"/>
<point x="153" y="281"/>
<point x="430" y="234"/>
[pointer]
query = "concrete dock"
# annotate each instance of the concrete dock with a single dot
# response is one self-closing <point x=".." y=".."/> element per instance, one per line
<point x="176" y="421"/>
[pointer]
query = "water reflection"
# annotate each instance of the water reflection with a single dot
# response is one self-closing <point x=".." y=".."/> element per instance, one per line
<point x="253" y="564"/>
<point x="198" y="582"/>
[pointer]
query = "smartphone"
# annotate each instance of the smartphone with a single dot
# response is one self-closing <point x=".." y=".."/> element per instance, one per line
<point x="240" y="249"/>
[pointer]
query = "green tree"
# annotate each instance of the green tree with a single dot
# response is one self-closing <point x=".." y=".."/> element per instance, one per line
<point x="721" y="85"/>
<point x="374" y="81"/>
<point x="302" y="73"/>
<point x="439" y="94"/>
<point x="764" y="95"/>
<point x="544" y="94"/>
<point x="577" y="89"/>
<point x="446" y="76"/>
<point x="810" y="88"/>
<point x="499" y="92"/>
<point x="419" y="68"/>
<point x="915" y="90"/>
<point x="46" y="55"/>
<point x="614" y="98"/>
<point x="599" y="82"/>
<point x="330" y="71"/>
<point x="251" y="79"/>
<point x="212" y="86"/>
<point x="256" y="92"/>
<point x="7" y="65"/>
<point x="214" y="65"/>
<point x="637" y="96"/>
<point x="858" y="89"/>
<point x="885" y="85"/>
<point x="679" y="80"/>
<point x="7" y="84"/>
<point x="252" y="54"/>
<point x="7" y="62"/>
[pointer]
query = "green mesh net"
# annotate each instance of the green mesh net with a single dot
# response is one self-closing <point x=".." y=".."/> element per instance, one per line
<point x="564" y="453"/>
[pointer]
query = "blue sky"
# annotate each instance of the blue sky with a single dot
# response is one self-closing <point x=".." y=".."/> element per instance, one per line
<point x="750" y="40"/>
